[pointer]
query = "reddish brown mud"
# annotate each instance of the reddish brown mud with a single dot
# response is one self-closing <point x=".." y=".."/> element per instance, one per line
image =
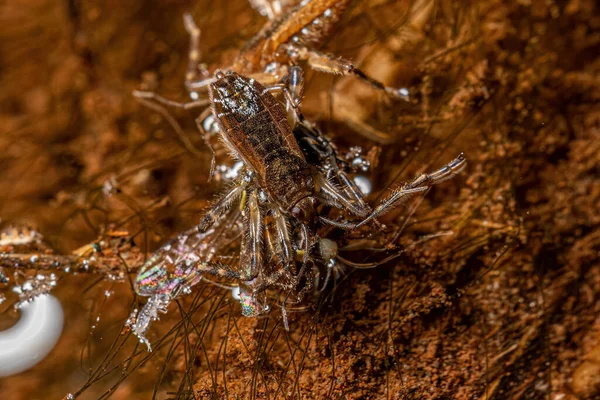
<point x="503" y="304"/>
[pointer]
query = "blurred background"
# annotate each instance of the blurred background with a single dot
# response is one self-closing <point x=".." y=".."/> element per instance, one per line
<point x="503" y="304"/>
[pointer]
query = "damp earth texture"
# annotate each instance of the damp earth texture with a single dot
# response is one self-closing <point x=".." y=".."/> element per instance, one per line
<point x="490" y="285"/>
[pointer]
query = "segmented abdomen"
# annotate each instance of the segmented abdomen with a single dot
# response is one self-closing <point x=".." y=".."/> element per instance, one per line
<point x="254" y="126"/>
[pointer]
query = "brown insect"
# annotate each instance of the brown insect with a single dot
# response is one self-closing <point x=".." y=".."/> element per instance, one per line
<point x="293" y="33"/>
<point x="273" y="206"/>
<point x="278" y="192"/>
<point x="275" y="198"/>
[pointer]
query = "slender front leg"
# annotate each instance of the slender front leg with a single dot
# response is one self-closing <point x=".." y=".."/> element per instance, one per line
<point x="194" y="55"/>
<point x="206" y="137"/>
<point x="221" y="207"/>
<point x="251" y="261"/>
<point x="332" y="195"/>
<point x="419" y="185"/>
<point x="327" y="63"/>
<point x="171" y="103"/>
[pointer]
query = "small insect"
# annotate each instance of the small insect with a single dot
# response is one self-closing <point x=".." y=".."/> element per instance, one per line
<point x="293" y="33"/>
<point x="276" y="194"/>
<point x="273" y="206"/>
<point x="294" y="30"/>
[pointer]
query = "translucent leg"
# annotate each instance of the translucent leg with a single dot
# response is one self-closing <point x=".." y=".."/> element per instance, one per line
<point x="332" y="65"/>
<point x="221" y="207"/>
<point x="419" y="185"/>
<point x="251" y="252"/>
<point x="332" y="195"/>
<point x="194" y="55"/>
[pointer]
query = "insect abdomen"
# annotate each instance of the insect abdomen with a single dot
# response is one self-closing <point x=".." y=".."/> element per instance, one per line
<point x="288" y="178"/>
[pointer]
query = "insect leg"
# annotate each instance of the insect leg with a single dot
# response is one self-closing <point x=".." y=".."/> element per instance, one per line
<point x="332" y="195"/>
<point x="278" y="239"/>
<point x="206" y="137"/>
<point x="280" y="252"/>
<point x="297" y="278"/>
<point x="140" y="94"/>
<point x="419" y="185"/>
<point x="294" y="82"/>
<point x="220" y="270"/>
<point x="251" y="246"/>
<point x="327" y="63"/>
<point x="350" y="188"/>
<point x="194" y="65"/>
<point x="292" y="88"/>
<point x="283" y="242"/>
<point x="221" y="207"/>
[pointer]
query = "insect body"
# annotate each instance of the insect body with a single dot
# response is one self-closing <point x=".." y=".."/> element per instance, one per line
<point x="271" y="207"/>
<point x="270" y="211"/>
<point x="273" y="201"/>
<point x="254" y="127"/>
<point x="294" y="30"/>
<point x="293" y="33"/>
<point x="300" y="25"/>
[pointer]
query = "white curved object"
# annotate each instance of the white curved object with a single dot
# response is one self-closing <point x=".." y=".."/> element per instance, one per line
<point x="33" y="337"/>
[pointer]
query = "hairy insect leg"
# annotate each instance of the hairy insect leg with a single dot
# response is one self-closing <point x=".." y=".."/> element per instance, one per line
<point x="297" y="278"/>
<point x="221" y="207"/>
<point x="279" y="253"/>
<point x="206" y="137"/>
<point x="327" y="63"/>
<point x="292" y="88"/>
<point x="330" y="194"/>
<point x="350" y="188"/>
<point x="280" y="239"/>
<point x="252" y="300"/>
<point x="419" y="185"/>
<point x="222" y="271"/>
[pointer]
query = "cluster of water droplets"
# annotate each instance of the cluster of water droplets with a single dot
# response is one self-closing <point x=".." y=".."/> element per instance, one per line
<point x="38" y="285"/>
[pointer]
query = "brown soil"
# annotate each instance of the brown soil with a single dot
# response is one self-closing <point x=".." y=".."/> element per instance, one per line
<point x="505" y="307"/>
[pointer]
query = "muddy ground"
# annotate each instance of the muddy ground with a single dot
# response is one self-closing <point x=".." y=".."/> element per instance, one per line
<point x="502" y="304"/>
